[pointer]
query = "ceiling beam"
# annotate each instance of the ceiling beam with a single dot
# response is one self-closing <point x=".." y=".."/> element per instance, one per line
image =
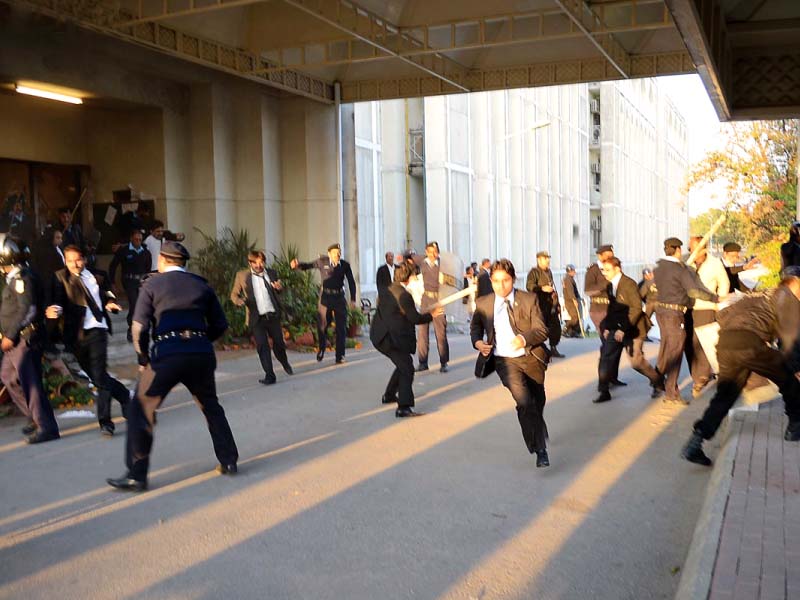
<point x="189" y="47"/>
<point x="520" y="76"/>
<point x="463" y="34"/>
<point x="376" y="31"/>
<point x="590" y="23"/>
<point x="706" y="37"/>
<point x="162" y="10"/>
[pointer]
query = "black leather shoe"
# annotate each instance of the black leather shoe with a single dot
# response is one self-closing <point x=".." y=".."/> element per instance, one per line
<point x="658" y="391"/>
<point x="401" y="413"/>
<point x="341" y="360"/>
<point x="320" y="354"/>
<point x="693" y="450"/>
<point x="603" y="397"/>
<point x="42" y="436"/>
<point x="287" y="368"/>
<point x="542" y="459"/>
<point x="230" y="469"/>
<point x="267" y="380"/>
<point x="130" y="337"/>
<point x="127" y="484"/>
<point x="443" y="369"/>
<point x="29" y="428"/>
<point x="388" y="399"/>
<point x="421" y="368"/>
<point x="556" y="354"/>
<point x="106" y="431"/>
<point x="618" y="383"/>
<point x="792" y="432"/>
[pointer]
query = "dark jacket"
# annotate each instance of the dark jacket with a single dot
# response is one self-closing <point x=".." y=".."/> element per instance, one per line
<point x="69" y="293"/>
<point x="484" y="284"/>
<point x="548" y="301"/>
<point x="243" y="290"/>
<point x="332" y="277"/>
<point x="177" y="301"/>
<point x="678" y="284"/>
<point x="625" y="310"/>
<point x="733" y="278"/>
<point x="527" y="316"/>
<point x="393" y="324"/>
<point x="790" y="254"/>
<point x="46" y="261"/>
<point x="594" y="286"/>
<point x="21" y="307"/>
<point x="771" y="315"/>
<point x="570" y="291"/>
<point x="384" y="277"/>
<point x="134" y="264"/>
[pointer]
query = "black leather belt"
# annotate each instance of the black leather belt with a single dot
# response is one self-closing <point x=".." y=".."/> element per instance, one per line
<point x="183" y="334"/>
<point x="133" y="276"/>
<point x="601" y="301"/>
<point x="332" y="291"/>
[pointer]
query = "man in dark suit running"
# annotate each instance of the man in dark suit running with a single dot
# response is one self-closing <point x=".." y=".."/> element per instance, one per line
<point x="508" y="325"/>
<point x="392" y="333"/>
<point x="257" y="289"/>
<point x="624" y="327"/>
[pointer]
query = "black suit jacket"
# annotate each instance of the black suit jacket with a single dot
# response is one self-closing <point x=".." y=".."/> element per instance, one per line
<point x="527" y="316"/>
<point x="68" y="293"/>
<point x="393" y="324"/>
<point x="625" y="310"/>
<point x="384" y="277"/>
<point x="243" y="289"/>
<point x="484" y="284"/>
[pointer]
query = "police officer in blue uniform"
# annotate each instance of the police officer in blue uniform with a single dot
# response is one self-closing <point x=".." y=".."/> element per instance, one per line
<point x="136" y="262"/>
<point x="186" y="318"/>
<point x="333" y="270"/>
<point x="21" y="326"/>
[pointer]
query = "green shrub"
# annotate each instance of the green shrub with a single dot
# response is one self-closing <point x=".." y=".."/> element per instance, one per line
<point x="219" y="261"/>
<point x="300" y="296"/>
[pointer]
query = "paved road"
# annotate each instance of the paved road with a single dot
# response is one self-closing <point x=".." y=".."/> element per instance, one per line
<point x="338" y="499"/>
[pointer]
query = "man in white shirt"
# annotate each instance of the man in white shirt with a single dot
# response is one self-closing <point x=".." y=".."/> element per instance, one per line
<point x="713" y="275"/>
<point x="258" y="289"/>
<point x="508" y="331"/>
<point x="84" y="303"/>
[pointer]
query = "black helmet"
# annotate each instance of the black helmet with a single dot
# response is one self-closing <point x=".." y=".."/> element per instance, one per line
<point x="13" y="251"/>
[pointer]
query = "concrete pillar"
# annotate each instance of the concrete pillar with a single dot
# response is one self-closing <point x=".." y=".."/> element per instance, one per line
<point x="483" y="182"/>
<point x="436" y="176"/>
<point x="308" y="175"/>
<point x="350" y="189"/>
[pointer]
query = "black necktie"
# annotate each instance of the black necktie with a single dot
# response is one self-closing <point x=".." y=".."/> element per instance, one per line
<point x="511" y="318"/>
<point x="96" y="312"/>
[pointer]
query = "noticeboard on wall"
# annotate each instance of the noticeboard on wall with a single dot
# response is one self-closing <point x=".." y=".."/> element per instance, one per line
<point x="115" y="221"/>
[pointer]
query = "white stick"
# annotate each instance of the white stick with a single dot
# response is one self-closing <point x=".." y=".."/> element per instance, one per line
<point x="453" y="297"/>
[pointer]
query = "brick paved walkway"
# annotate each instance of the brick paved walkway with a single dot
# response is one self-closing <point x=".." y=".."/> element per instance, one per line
<point x="759" y="550"/>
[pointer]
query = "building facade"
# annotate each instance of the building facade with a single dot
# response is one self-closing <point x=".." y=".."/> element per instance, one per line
<point x="509" y="173"/>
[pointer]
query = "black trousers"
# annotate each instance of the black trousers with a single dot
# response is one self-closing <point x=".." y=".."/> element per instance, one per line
<point x="739" y="353"/>
<point x="597" y="312"/>
<point x="572" y="327"/>
<point x="332" y="306"/>
<point x="196" y="372"/>
<point x="439" y="330"/>
<point x="91" y="350"/>
<point x="402" y="379"/>
<point x="610" y="354"/>
<point x="699" y="367"/>
<point x="21" y="373"/>
<point x="132" y="292"/>
<point x="524" y="378"/>
<point x="264" y="329"/>
<point x="670" y="351"/>
<point x="554" y="328"/>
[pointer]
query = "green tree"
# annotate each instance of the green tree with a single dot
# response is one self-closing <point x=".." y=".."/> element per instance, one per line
<point x="758" y="167"/>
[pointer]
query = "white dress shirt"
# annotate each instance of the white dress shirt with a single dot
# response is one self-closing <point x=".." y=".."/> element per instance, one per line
<point x="154" y="246"/>
<point x="89" y="322"/>
<point x="61" y="254"/>
<point x="615" y="283"/>
<point x="503" y="332"/>
<point x="263" y="301"/>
